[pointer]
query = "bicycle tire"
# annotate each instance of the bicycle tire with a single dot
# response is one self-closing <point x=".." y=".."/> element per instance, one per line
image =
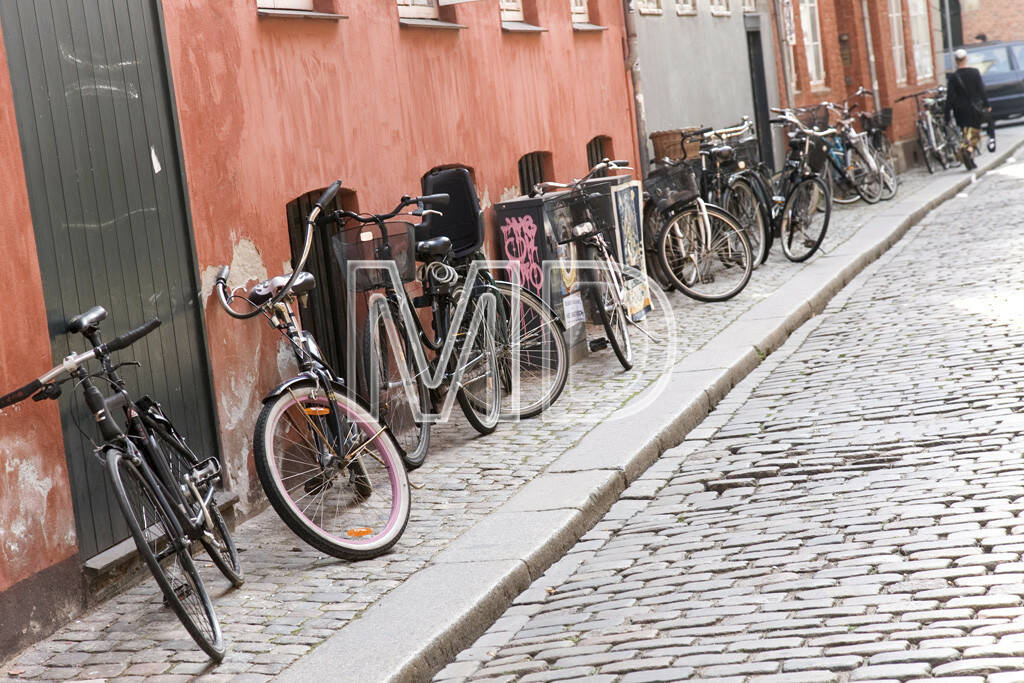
<point x="289" y="443"/>
<point x="541" y="345"/>
<point x="743" y="202"/>
<point x="841" y="189"/>
<point x="693" y="265"/>
<point x="480" y="395"/>
<point x="867" y="182"/>
<point x="801" y="233"/>
<point x="654" y="223"/>
<point x="885" y="157"/>
<point x="181" y="459"/>
<point x="391" y="406"/>
<point x="165" y="550"/>
<point x="606" y="294"/>
<point x="926" y="149"/>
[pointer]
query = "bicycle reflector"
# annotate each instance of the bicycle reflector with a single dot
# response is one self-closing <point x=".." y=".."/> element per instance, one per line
<point x="359" y="531"/>
<point x="316" y="410"/>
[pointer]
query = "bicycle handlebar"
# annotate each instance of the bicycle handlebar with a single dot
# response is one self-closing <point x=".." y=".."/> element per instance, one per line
<point x="73" y="361"/>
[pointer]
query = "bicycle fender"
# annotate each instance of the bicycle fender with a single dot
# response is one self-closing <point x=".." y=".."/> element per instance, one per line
<point x="300" y="379"/>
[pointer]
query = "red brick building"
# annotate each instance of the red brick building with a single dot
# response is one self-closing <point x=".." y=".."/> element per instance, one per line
<point x="995" y="19"/>
<point x="827" y="48"/>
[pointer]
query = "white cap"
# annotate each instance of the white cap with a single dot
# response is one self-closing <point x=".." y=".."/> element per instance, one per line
<point x="960" y="54"/>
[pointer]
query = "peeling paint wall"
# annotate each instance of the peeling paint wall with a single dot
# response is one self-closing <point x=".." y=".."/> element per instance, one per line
<point x="37" y="528"/>
<point x="268" y="112"/>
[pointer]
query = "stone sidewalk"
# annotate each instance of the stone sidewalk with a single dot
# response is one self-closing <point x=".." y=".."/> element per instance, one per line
<point x="852" y="511"/>
<point x="484" y="523"/>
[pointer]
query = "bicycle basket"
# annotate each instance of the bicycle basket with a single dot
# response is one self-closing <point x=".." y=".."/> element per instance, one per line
<point x="747" y="151"/>
<point x="668" y="144"/>
<point x="364" y="243"/>
<point x="814" y="116"/>
<point x="671" y="184"/>
<point x="568" y="218"/>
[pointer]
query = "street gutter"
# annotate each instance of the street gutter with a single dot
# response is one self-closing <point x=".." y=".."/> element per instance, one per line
<point x="420" y="626"/>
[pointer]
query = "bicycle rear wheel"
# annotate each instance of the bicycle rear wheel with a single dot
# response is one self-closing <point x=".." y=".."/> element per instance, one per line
<point x="386" y="386"/>
<point x="885" y="156"/>
<point x="606" y="293"/>
<point x="805" y="218"/>
<point x="867" y="181"/>
<point x="345" y="494"/>
<point x="532" y="333"/>
<point x="743" y="203"/>
<point x="165" y="550"/>
<point x="708" y="263"/>
<point x="216" y="537"/>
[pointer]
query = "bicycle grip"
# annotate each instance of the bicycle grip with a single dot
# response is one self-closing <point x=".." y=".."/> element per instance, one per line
<point x="328" y="194"/>
<point x="440" y="199"/>
<point x="130" y="337"/>
<point x="20" y="394"/>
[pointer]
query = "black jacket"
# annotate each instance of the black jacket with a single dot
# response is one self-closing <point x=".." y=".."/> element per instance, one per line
<point x="964" y="87"/>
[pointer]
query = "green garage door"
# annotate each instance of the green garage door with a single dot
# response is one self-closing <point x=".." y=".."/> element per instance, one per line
<point x="99" y="142"/>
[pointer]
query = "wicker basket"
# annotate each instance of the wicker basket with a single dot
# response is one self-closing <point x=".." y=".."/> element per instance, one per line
<point x="668" y="144"/>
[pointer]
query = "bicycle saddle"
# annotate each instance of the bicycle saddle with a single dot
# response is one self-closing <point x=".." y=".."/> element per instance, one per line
<point x="438" y="246"/>
<point x="722" y="153"/>
<point x="90" y="319"/>
<point x="268" y="289"/>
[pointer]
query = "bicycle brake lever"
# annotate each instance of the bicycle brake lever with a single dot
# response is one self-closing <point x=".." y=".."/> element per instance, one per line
<point x="50" y="391"/>
<point x="124" y="363"/>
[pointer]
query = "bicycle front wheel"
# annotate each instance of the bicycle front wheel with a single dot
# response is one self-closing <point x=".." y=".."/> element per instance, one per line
<point x="215" y="535"/>
<point x="165" y="550"/>
<point x="479" y="391"/>
<point x="868" y="182"/>
<point x="805" y="219"/>
<point x="533" y="334"/>
<point x="386" y="384"/>
<point x="931" y="157"/>
<point x="332" y="472"/>
<point x="707" y="262"/>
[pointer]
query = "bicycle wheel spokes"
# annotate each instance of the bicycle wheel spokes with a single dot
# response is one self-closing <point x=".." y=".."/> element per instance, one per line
<point x="805" y="219"/>
<point x="708" y="264"/>
<point x="350" y="507"/>
<point x="166" y="553"/>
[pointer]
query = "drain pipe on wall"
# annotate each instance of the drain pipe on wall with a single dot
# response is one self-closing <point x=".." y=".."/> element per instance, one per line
<point x="633" y="65"/>
<point x="780" y="28"/>
<point x="871" y="50"/>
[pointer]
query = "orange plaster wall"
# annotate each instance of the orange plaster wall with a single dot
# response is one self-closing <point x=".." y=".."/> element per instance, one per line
<point x="271" y="108"/>
<point x="37" y="528"/>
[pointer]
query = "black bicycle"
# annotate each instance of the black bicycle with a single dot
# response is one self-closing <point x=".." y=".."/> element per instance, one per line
<point x="406" y="388"/>
<point x="165" y="491"/>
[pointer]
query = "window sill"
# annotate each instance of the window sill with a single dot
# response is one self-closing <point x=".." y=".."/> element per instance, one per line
<point x="648" y="10"/>
<point x="298" y="14"/>
<point x="413" y="22"/>
<point x="521" y="27"/>
<point x="686" y="12"/>
<point x="587" y="27"/>
<point x="721" y="13"/>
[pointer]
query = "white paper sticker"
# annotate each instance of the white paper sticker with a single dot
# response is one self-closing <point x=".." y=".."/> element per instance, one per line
<point x="156" y="162"/>
<point x="573" y="307"/>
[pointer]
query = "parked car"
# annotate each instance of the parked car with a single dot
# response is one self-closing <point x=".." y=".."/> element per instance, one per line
<point x="1002" y="70"/>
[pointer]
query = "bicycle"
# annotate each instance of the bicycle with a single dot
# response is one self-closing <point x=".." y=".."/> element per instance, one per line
<point x="329" y="468"/>
<point x="401" y="381"/>
<point x="855" y="172"/>
<point x="728" y="156"/>
<point x="167" y="500"/>
<point x="801" y="206"/>
<point x="932" y="133"/>
<point x="606" y="287"/>
<point x="875" y="124"/>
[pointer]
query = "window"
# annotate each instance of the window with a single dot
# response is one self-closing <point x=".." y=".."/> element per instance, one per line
<point x="919" y="34"/>
<point x="686" y="6"/>
<point x="992" y="60"/>
<point x="424" y="9"/>
<point x="899" y="50"/>
<point x="648" y="6"/>
<point x="811" y="26"/>
<point x="719" y="7"/>
<point x="511" y="10"/>
<point x="749" y="5"/>
<point x="598" y="149"/>
<point x="580" y="12"/>
<point x="531" y="170"/>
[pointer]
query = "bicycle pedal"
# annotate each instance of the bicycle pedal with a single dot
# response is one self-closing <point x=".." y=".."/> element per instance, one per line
<point x="597" y="344"/>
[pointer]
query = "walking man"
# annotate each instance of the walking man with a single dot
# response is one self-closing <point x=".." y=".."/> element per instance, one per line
<point x="965" y="96"/>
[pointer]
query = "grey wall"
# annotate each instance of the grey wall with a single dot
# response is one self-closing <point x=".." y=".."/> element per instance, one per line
<point x="695" y="67"/>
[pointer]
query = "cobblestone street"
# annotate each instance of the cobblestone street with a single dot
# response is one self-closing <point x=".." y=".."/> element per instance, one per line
<point x="294" y="600"/>
<point x="853" y="510"/>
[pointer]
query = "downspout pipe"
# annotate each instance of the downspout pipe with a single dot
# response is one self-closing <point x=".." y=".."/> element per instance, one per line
<point x="633" y="65"/>
<point x="780" y="29"/>
<point x="871" y="50"/>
